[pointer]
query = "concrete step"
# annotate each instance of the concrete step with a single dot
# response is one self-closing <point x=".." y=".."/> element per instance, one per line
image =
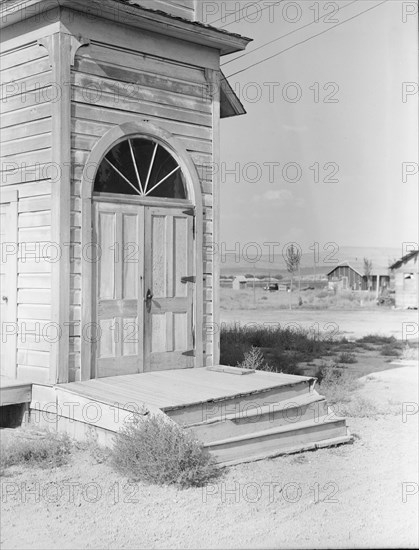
<point x="255" y="418"/>
<point x="279" y="440"/>
<point x="195" y="413"/>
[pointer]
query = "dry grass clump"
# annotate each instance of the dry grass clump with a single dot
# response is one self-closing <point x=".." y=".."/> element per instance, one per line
<point x="155" y="450"/>
<point x="43" y="449"/>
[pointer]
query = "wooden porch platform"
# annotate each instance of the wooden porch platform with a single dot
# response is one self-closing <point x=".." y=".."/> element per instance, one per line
<point x="239" y="417"/>
<point x="14" y="392"/>
<point x="171" y="389"/>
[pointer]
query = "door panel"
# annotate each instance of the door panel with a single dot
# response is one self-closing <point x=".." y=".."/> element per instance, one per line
<point x="169" y="313"/>
<point x="119" y="304"/>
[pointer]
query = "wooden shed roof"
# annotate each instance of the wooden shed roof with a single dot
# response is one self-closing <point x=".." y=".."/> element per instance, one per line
<point x="358" y="267"/>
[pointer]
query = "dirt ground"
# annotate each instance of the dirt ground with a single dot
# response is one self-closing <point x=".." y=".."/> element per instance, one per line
<point x="360" y="495"/>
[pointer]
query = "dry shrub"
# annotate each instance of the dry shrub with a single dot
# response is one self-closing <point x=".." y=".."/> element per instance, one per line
<point x="336" y="384"/>
<point x="346" y="358"/>
<point x="153" y="449"/>
<point x="410" y="352"/>
<point x="390" y="350"/>
<point x="253" y="359"/>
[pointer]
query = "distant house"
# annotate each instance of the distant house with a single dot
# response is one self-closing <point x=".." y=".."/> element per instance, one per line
<point x="350" y="276"/>
<point x="239" y="282"/>
<point x="405" y="273"/>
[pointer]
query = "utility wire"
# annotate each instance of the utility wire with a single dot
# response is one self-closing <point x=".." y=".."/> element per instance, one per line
<point x="307" y="39"/>
<point x="285" y="35"/>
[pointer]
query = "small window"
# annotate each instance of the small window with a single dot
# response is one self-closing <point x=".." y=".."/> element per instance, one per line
<point x="140" y="167"/>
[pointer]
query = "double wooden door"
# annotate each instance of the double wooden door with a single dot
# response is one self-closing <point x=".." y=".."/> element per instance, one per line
<point x="144" y="288"/>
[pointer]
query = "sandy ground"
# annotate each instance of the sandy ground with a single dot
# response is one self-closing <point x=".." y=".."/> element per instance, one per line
<point x="359" y="495"/>
<point x="349" y="323"/>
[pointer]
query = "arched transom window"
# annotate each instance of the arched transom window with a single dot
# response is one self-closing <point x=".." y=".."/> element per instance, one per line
<point x="142" y="167"/>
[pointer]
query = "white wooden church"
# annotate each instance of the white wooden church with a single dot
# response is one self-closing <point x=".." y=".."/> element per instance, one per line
<point x="110" y="125"/>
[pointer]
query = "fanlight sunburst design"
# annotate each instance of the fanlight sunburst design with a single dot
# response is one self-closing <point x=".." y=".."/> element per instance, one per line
<point x="140" y="166"/>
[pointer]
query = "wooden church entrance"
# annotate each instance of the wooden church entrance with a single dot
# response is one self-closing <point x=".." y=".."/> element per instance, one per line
<point x="143" y="269"/>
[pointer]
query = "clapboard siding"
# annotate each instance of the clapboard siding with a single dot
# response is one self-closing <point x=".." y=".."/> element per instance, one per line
<point x="145" y="109"/>
<point x="112" y="87"/>
<point x="25" y="130"/>
<point x="26" y="167"/>
<point x="125" y="80"/>
<point x="91" y="116"/>
<point x="21" y="55"/>
<point x="16" y="147"/>
<point x="27" y="114"/>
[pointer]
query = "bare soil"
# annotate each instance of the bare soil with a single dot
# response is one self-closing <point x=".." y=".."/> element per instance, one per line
<point x="357" y="495"/>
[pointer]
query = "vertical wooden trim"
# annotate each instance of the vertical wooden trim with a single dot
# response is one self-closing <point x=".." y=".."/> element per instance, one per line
<point x="147" y="273"/>
<point x="62" y="48"/>
<point x="141" y="290"/>
<point x="214" y="78"/>
<point x="89" y="265"/>
<point x="13" y="287"/>
<point x="59" y="48"/>
<point x="88" y="290"/>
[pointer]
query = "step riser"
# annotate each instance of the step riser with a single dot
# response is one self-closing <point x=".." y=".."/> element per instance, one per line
<point x="277" y="443"/>
<point x="203" y="412"/>
<point x="287" y="417"/>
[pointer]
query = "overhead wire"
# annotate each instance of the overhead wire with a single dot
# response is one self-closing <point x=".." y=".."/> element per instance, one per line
<point x="307" y="39"/>
<point x="250" y="52"/>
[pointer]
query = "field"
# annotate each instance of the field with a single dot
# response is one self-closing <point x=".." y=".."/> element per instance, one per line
<point x="337" y="316"/>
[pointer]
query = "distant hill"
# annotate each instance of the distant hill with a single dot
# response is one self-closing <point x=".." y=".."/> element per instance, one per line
<point x="381" y="257"/>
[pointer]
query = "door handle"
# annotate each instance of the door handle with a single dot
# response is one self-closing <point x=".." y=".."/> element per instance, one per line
<point x="5" y="299"/>
<point x="147" y="300"/>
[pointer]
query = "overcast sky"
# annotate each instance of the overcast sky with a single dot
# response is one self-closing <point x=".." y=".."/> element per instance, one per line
<point x="357" y="132"/>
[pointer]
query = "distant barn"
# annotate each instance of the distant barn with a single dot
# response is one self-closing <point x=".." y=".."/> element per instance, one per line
<point x="347" y="276"/>
<point x="406" y="280"/>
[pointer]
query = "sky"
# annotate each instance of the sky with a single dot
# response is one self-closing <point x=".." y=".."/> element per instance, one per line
<point x="320" y="154"/>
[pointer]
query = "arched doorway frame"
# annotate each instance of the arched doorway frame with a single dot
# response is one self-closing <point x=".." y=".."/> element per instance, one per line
<point x="99" y="150"/>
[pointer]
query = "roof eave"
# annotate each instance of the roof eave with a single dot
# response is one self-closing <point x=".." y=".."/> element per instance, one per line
<point x="407" y="257"/>
<point x="133" y="15"/>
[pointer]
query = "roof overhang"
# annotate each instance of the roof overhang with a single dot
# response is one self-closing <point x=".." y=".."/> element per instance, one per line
<point x="14" y="11"/>
<point x="406" y="258"/>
